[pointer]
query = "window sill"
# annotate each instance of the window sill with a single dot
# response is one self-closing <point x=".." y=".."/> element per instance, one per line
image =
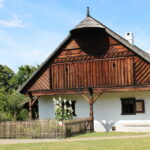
<point x="128" y="114"/>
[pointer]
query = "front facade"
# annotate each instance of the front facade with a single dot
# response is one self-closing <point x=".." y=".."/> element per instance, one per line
<point x="107" y="111"/>
<point x="101" y="73"/>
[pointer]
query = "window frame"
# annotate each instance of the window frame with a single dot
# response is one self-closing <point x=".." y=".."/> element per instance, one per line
<point x="143" y="106"/>
<point x="134" y="105"/>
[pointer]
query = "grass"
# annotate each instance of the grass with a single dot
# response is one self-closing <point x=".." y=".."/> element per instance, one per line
<point x="107" y="134"/>
<point x="119" y="144"/>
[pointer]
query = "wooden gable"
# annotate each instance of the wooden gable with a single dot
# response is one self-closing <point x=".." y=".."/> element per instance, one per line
<point x="73" y="68"/>
<point x="91" y="56"/>
<point x="42" y="83"/>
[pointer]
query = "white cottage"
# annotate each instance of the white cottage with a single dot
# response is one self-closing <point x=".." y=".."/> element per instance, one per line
<point x="104" y="75"/>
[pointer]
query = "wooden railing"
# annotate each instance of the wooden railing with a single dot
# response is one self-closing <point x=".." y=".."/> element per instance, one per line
<point x="78" y="126"/>
<point x="44" y="128"/>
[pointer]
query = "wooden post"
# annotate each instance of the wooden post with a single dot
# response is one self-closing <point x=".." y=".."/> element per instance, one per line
<point x="31" y="102"/>
<point x="30" y="109"/>
<point x="30" y="106"/>
<point x="92" y="116"/>
<point x="91" y="101"/>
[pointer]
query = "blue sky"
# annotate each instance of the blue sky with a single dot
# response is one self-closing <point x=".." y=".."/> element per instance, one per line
<point x="31" y="29"/>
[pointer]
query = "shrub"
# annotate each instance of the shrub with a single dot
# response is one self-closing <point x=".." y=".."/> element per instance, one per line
<point x="11" y="106"/>
<point x="62" y="110"/>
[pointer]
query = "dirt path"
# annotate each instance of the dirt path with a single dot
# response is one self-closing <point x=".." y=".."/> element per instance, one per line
<point x="20" y="141"/>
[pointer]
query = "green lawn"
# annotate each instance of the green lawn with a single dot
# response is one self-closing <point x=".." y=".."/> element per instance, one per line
<point x="102" y="134"/>
<point x="119" y="144"/>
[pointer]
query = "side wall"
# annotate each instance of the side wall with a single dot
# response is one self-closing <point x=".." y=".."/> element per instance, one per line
<point x="107" y="111"/>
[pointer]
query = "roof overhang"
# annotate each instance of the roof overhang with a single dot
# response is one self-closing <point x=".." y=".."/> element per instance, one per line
<point x="95" y="90"/>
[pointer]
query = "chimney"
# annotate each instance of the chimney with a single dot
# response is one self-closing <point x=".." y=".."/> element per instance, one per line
<point x="129" y="37"/>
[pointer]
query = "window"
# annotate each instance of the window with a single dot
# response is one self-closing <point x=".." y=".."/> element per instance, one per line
<point x="72" y="106"/>
<point x="128" y="106"/>
<point x="131" y="106"/>
<point x="140" y="108"/>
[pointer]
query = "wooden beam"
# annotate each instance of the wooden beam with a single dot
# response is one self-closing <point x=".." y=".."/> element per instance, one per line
<point x="92" y="116"/>
<point x="96" y="97"/>
<point x="30" y="106"/>
<point x="30" y="109"/>
<point x="35" y="99"/>
<point x="95" y="90"/>
<point x="86" y="98"/>
<point x="91" y="100"/>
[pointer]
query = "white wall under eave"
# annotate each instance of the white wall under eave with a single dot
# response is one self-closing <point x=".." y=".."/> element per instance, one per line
<point x="46" y="108"/>
<point x="107" y="111"/>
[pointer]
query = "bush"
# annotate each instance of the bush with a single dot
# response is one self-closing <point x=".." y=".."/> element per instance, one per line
<point x="23" y="115"/>
<point x="62" y="111"/>
<point x="11" y="106"/>
<point x="4" y="116"/>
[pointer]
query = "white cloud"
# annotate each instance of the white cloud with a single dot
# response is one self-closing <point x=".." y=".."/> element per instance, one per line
<point x="1" y="3"/>
<point x="14" y="22"/>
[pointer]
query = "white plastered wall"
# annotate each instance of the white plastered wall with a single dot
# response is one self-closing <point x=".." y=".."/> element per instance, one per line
<point x="107" y="111"/>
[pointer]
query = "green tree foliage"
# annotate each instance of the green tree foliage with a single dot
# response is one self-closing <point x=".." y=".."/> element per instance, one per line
<point x="24" y="73"/>
<point x="11" y="102"/>
<point x="6" y="76"/>
<point x="10" y="81"/>
<point x="11" y="106"/>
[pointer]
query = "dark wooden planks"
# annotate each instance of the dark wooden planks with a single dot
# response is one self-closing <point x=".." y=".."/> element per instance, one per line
<point x="142" y="71"/>
<point x="104" y="72"/>
<point x="42" y="82"/>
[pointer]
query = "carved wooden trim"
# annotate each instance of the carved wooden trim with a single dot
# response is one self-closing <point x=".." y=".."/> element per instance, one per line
<point x="96" y="97"/>
<point x="91" y="100"/>
<point x="86" y="98"/>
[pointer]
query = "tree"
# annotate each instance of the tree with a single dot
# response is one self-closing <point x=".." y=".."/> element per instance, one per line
<point x="6" y="75"/>
<point x="10" y="81"/>
<point x="24" y="73"/>
<point x="11" y="102"/>
<point x="11" y="106"/>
